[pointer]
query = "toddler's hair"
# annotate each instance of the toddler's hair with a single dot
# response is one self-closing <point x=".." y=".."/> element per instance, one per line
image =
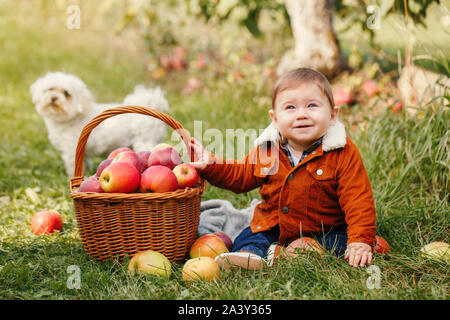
<point x="299" y="76"/>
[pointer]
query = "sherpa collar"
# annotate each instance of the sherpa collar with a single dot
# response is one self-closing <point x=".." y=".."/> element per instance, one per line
<point x="334" y="138"/>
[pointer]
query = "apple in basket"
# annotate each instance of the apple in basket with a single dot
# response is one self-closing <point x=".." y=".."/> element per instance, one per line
<point x="127" y="156"/>
<point x="91" y="184"/>
<point x="168" y="157"/>
<point x="102" y="166"/>
<point x="303" y="244"/>
<point x="186" y="174"/>
<point x="46" y="222"/>
<point x="121" y="177"/>
<point x="208" y="245"/>
<point x="201" y="268"/>
<point x="158" y="179"/>
<point x="161" y="146"/>
<point x="143" y="160"/>
<point x="150" y="262"/>
<point x="113" y="154"/>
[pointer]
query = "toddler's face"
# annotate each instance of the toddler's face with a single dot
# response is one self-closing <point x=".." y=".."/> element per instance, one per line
<point x="303" y="114"/>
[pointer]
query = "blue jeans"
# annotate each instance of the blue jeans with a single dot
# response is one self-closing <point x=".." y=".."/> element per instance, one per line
<point x="258" y="243"/>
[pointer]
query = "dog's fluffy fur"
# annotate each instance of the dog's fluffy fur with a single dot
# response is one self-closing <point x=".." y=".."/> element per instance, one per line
<point x="66" y="105"/>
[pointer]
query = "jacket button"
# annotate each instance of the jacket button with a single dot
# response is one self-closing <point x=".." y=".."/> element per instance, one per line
<point x="319" y="172"/>
<point x="285" y="209"/>
<point x="291" y="176"/>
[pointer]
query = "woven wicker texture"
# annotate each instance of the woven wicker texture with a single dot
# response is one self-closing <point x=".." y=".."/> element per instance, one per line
<point x="112" y="225"/>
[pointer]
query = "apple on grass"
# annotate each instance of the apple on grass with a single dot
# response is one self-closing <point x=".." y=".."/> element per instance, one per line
<point x="120" y="177"/>
<point x="46" y="222"/>
<point x="186" y="174"/>
<point x="158" y="179"/>
<point x="302" y="245"/>
<point x="226" y="239"/>
<point x="127" y="156"/>
<point x="436" y="250"/>
<point x="382" y="246"/>
<point x="167" y="157"/>
<point x="370" y="88"/>
<point x="91" y="184"/>
<point x="113" y="154"/>
<point x="150" y="262"/>
<point x="102" y="166"/>
<point x="208" y="245"/>
<point x="201" y="268"/>
<point x="342" y="96"/>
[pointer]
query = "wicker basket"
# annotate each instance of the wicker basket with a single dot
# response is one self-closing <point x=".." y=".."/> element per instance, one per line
<point x="112" y="225"/>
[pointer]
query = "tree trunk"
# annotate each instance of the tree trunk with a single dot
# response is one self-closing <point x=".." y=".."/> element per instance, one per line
<point x="316" y="45"/>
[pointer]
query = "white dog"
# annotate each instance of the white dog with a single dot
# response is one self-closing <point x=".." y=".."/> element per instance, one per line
<point x="66" y="105"/>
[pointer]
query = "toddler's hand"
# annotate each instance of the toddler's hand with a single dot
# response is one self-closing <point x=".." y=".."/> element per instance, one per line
<point x="201" y="156"/>
<point x="358" y="253"/>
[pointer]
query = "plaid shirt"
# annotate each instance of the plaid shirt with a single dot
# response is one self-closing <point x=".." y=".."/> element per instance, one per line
<point x="286" y="150"/>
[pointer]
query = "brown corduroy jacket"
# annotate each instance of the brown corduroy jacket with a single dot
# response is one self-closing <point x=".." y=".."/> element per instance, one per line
<point x="329" y="189"/>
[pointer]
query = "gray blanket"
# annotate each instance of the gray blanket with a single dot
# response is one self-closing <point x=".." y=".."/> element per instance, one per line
<point x="220" y="215"/>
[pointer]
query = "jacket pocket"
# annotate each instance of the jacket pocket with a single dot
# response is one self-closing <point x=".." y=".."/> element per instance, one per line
<point x="319" y="171"/>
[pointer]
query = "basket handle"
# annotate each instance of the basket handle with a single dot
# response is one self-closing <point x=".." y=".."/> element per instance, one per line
<point x="79" y="155"/>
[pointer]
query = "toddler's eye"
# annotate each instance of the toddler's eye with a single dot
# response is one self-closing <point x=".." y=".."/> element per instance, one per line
<point x="290" y="107"/>
<point x="312" y="105"/>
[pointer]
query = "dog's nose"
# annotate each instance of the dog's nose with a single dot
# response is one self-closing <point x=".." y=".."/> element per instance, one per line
<point x="54" y="99"/>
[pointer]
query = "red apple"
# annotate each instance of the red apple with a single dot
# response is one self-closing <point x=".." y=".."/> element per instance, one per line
<point x="161" y="146"/>
<point x="167" y="157"/>
<point x="113" y="154"/>
<point x="91" y="184"/>
<point x="158" y="179"/>
<point x="382" y="246"/>
<point x="342" y="96"/>
<point x="370" y="88"/>
<point x="226" y="239"/>
<point x="201" y="268"/>
<point x="208" y="245"/>
<point x="186" y="174"/>
<point x="120" y="177"/>
<point x="127" y="156"/>
<point x="396" y="104"/>
<point x="303" y="244"/>
<point x="102" y="166"/>
<point x="45" y="222"/>
<point x="143" y="160"/>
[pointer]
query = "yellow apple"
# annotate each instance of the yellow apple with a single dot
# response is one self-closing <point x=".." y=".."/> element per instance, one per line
<point x="150" y="262"/>
<point x="201" y="268"/>
<point x="436" y="250"/>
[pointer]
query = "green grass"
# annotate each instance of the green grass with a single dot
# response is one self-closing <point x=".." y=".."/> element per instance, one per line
<point x="407" y="161"/>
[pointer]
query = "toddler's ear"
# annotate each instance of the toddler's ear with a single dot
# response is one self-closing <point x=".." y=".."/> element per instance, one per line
<point x="334" y="114"/>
